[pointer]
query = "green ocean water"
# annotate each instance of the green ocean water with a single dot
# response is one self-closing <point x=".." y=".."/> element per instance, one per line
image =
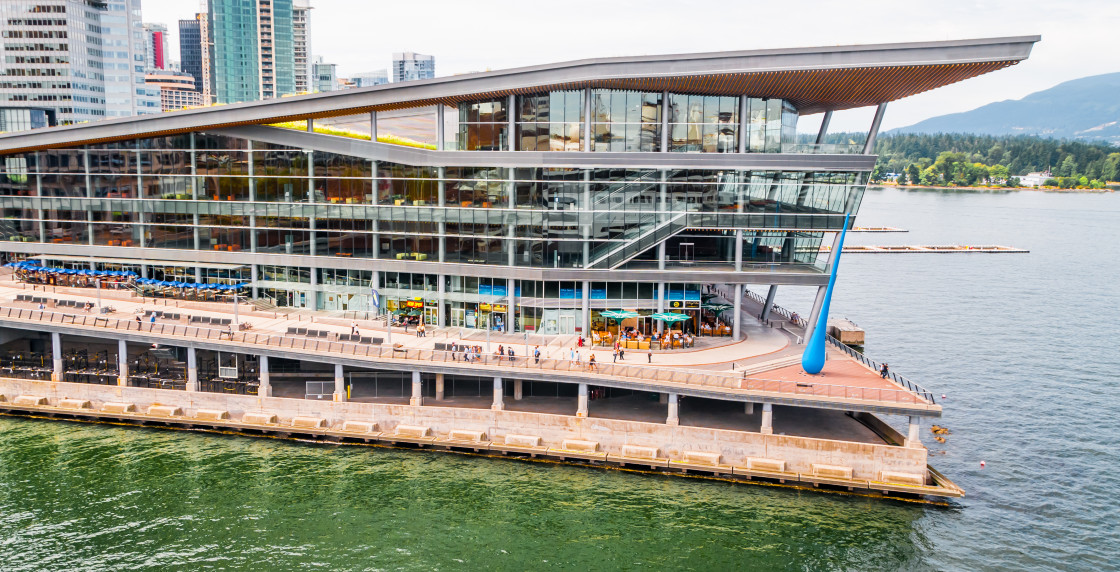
<point x="1023" y="346"/>
<point x="97" y="497"/>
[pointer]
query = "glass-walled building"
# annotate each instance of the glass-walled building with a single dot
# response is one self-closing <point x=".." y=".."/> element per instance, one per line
<point x="561" y="195"/>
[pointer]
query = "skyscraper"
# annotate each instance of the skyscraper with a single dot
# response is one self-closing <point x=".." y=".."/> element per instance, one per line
<point x="253" y="49"/>
<point x="408" y="66"/>
<point x="325" y="75"/>
<point x="194" y="53"/>
<point x="301" y="44"/>
<point x="84" y="76"/>
<point x="367" y="79"/>
<point x="155" y="36"/>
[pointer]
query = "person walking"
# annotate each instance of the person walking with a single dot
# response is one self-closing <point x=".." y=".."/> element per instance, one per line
<point x="139" y="322"/>
<point x="509" y="353"/>
<point x="501" y="352"/>
<point x="614" y="359"/>
<point x="884" y="371"/>
<point x="537" y="354"/>
<point x="152" y="321"/>
<point x="649" y="357"/>
<point x="591" y="362"/>
<point x="622" y="353"/>
<point x="353" y="328"/>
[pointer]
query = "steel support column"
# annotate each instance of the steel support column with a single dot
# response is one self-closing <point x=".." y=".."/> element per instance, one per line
<point x="769" y="305"/>
<point x="869" y="145"/>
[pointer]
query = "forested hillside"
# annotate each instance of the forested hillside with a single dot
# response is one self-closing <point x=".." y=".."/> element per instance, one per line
<point x="954" y="159"/>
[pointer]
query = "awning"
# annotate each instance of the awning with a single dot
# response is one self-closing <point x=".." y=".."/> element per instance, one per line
<point x="134" y="261"/>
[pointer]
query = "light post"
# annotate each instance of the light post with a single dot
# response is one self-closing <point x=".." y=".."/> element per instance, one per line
<point x="98" y="283"/>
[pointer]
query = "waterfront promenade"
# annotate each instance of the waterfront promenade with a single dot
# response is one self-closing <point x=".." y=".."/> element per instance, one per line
<point x="766" y="363"/>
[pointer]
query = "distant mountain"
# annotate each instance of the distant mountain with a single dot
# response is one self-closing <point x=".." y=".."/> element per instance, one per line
<point x="1085" y="109"/>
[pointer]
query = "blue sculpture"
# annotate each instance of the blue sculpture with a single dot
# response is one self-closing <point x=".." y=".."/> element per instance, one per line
<point x="812" y="361"/>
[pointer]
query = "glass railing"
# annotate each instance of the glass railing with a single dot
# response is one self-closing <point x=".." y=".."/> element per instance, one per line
<point x="823" y="149"/>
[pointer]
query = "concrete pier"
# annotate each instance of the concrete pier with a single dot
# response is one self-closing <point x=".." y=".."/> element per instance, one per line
<point x="339" y="384"/>
<point x="581" y="401"/>
<point x="767" y="427"/>
<point x="56" y="354"/>
<point x="265" y="387"/>
<point x="499" y="395"/>
<point x="122" y="363"/>
<point x="439" y="386"/>
<point x="914" y="436"/>
<point x="417" y="398"/>
<point x="673" y="417"/>
<point x="192" y="369"/>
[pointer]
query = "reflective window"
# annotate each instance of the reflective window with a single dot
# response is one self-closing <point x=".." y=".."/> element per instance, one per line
<point x="550" y="121"/>
<point x="483" y="125"/>
<point x="703" y="123"/>
<point x="625" y="121"/>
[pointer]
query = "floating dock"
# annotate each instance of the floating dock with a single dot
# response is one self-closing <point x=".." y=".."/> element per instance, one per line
<point x="877" y="229"/>
<point x="940" y="249"/>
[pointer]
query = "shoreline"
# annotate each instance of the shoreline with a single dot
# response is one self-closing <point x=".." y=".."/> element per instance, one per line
<point x="1036" y="189"/>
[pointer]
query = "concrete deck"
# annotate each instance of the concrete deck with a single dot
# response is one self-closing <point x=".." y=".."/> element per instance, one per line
<point x="764" y="363"/>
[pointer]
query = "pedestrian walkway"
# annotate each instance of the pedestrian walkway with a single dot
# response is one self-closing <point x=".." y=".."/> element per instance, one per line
<point x="758" y="359"/>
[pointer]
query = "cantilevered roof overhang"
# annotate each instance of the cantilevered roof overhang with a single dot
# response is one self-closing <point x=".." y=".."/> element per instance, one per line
<point x="814" y="79"/>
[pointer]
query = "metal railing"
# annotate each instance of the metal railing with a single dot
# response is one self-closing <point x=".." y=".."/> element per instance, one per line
<point x="909" y="385"/>
<point x="576" y="368"/>
<point x="904" y="382"/>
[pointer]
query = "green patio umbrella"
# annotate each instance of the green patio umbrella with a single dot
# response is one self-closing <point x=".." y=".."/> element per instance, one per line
<point x="717" y="308"/>
<point x="670" y="317"/>
<point x="706" y="297"/>
<point x="618" y="316"/>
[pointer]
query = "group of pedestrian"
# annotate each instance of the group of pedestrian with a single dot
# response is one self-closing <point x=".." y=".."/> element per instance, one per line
<point x="503" y="352"/>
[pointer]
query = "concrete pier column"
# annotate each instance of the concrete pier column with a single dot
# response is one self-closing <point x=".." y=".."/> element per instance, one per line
<point x="417" y="398"/>
<point x="663" y="398"/>
<point x="439" y="387"/>
<point x="674" y="410"/>
<point x="339" y="383"/>
<point x="122" y="363"/>
<point x="914" y="437"/>
<point x="56" y="353"/>
<point x="581" y="402"/>
<point x="518" y="390"/>
<point x="192" y="369"/>
<point x="265" y="387"/>
<point x="769" y="305"/>
<point x="749" y="408"/>
<point x="767" y="419"/>
<point x="499" y="395"/>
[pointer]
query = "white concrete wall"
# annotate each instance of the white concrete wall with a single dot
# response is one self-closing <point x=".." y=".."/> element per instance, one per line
<point x="866" y="460"/>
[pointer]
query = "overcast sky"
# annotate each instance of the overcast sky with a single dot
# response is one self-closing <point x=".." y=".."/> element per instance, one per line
<point x="1078" y="36"/>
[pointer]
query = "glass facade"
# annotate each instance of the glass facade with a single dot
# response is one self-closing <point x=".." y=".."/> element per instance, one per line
<point x="251" y="200"/>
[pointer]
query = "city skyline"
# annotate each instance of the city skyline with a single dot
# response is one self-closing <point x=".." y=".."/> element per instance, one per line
<point x="340" y="33"/>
